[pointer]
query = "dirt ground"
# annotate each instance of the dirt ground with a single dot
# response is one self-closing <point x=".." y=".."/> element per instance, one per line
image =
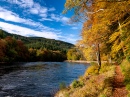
<point x="119" y="87"/>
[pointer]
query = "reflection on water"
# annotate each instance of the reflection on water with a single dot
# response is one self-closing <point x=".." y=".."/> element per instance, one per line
<point x="37" y="79"/>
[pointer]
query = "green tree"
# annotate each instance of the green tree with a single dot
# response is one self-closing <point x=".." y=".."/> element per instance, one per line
<point x="2" y="35"/>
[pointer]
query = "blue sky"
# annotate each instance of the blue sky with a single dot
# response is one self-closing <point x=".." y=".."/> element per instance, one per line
<point x="41" y="18"/>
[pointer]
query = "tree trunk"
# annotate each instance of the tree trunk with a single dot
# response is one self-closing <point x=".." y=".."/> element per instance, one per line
<point x="109" y="59"/>
<point x="98" y="57"/>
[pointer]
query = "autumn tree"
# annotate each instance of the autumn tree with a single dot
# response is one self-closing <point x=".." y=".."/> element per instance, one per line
<point x="85" y="8"/>
<point x="74" y="54"/>
<point x="2" y="50"/>
<point x="22" y="51"/>
<point x="105" y="25"/>
<point x="12" y="50"/>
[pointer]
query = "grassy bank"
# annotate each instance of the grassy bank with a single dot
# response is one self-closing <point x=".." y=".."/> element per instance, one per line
<point x="125" y="66"/>
<point x="92" y="83"/>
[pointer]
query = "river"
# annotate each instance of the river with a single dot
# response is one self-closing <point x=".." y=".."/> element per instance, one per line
<point x="37" y="79"/>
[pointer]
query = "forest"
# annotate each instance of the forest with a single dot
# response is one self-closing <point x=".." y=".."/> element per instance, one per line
<point x="16" y="48"/>
<point x="39" y="42"/>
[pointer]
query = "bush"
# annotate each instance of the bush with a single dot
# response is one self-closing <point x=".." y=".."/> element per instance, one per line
<point x="128" y="87"/>
<point x="105" y="67"/>
<point x="92" y="70"/>
<point x="76" y="84"/>
<point x="102" y="95"/>
<point x="128" y="58"/>
<point x="129" y="95"/>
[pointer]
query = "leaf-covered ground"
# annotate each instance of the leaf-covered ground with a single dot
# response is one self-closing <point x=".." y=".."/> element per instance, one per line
<point x="119" y="87"/>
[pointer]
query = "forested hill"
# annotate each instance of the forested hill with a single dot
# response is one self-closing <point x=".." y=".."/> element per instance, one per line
<point x="39" y="42"/>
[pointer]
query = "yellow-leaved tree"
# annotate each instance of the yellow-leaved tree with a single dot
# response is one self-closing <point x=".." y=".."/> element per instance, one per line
<point x="106" y="27"/>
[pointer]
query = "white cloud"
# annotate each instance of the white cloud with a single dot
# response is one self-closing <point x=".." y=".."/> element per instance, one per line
<point x="13" y="17"/>
<point x="52" y="9"/>
<point x="37" y="9"/>
<point x="74" y="28"/>
<point x="22" y="3"/>
<point x="43" y="15"/>
<point x="42" y="11"/>
<point x="54" y="17"/>
<point x="34" y="11"/>
<point x="45" y="19"/>
<point x="9" y="16"/>
<point x="32" y="7"/>
<point x="26" y="31"/>
<point x="69" y="39"/>
<point x="58" y="18"/>
<point x="64" y="19"/>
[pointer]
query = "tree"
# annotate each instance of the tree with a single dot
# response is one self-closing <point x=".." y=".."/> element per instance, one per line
<point x="12" y="50"/>
<point x="11" y="53"/>
<point x="2" y="50"/>
<point x="106" y="25"/>
<point x="83" y="8"/>
<point x="74" y="54"/>
<point x="2" y="35"/>
<point x="22" y="51"/>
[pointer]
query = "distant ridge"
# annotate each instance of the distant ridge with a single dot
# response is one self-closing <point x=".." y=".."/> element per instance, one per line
<point x="39" y="42"/>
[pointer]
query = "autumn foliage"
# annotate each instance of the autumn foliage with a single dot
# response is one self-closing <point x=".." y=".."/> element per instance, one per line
<point x="105" y="23"/>
<point x="12" y="50"/>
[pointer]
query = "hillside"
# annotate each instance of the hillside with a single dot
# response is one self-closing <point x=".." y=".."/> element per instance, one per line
<point x="39" y="42"/>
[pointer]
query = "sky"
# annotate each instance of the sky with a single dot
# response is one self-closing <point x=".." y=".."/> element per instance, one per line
<point x="40" y="18"/>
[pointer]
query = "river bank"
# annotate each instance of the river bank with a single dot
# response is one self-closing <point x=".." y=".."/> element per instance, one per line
<point x="82" y="61"/>
<point x="92" y="83"/>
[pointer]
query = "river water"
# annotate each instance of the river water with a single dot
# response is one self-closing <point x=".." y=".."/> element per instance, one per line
<point x="37" y="79"/>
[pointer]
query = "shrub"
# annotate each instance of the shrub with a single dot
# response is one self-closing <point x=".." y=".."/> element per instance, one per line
<point x="93" y="69"/>
<point x="128" y="87"/>
<point x="105" y="67"/>
<point x="129" y="95"/>
<point x="128" y="58"/>
<point x="102" y="95"/>
<point x="76" y="84"/>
